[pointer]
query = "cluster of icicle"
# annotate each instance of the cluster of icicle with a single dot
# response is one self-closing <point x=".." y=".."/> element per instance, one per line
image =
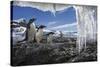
<point x="87" y="25"/>
<point x="85" y="15"/>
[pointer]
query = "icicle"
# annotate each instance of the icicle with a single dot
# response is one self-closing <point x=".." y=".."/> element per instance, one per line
<point x="54" y="9"/>
<point x="86" y="25"/>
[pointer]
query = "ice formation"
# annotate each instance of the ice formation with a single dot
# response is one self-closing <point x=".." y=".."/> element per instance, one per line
<point x="87" y="25"/>
<point x="41" y="6"/>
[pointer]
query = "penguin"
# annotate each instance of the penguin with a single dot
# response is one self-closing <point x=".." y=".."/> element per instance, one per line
<point x="50" y="37"/>
<point x="61" y="34"/>
<point x="31" y="30"/>
<point x="39" y="34"/>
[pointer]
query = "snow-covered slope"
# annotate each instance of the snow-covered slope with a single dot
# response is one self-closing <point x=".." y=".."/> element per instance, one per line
<point x="18" y="34"/>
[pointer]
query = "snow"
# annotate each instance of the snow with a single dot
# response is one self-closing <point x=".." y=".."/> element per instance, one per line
<point x="18" y="34"/>
<point x="19" y="20"/>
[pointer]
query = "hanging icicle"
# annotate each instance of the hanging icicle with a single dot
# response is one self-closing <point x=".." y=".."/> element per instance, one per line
<point x="87" y="25"/>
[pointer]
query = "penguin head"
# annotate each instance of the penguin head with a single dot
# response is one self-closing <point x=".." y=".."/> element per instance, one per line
<point x="31" y="20"/>
<point x="41" y="26"/>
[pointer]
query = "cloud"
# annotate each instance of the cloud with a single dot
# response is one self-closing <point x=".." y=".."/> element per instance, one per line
<point x="64" y="26"/>
<point x="51" y="23"/>
<point x="46" y="30"/>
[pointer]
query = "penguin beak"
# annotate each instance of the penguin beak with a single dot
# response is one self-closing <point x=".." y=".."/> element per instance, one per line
<point x="34" y="19"/>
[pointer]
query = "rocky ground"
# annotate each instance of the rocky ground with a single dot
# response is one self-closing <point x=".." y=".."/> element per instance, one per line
<point x="63" y="52"/>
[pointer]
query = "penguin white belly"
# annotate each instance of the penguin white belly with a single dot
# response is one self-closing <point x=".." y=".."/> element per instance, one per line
<point x="49" y="39"/>
<point x="39" y="36"/>
<point x="31" y="33"/>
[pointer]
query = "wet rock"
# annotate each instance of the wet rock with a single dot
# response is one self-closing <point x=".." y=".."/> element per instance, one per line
<point x="33" y="53"/>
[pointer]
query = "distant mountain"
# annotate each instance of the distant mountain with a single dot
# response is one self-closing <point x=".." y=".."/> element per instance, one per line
<point x="65" y="33"/>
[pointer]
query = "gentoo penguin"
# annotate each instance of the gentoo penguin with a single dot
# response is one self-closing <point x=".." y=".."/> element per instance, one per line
<point x="31" y="30"/>
<point x="50" y="37"/>
<point x="39" y="34"/>
<point x="61" y="34"/>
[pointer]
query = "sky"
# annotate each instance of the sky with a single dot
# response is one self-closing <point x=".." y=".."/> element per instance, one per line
<point x="64" y="20"/>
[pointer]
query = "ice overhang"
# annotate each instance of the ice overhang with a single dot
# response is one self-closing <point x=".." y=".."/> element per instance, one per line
<point x="52" y="7"/>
